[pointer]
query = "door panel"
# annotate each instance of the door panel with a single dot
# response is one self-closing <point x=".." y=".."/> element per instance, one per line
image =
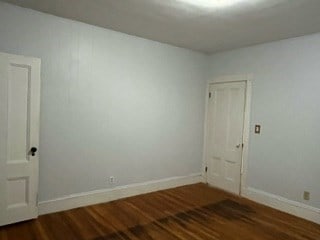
<point x="18" y="113"/>
<point x="19" y="126"/>
<point x="224" y="138"/>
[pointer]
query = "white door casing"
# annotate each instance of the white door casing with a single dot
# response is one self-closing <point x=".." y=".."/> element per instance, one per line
<point x="225" y="122"/>
<point x="19" y="132"/>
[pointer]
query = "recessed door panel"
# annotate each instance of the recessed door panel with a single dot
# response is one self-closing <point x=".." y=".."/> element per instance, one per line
<point x="17" y="192"/>
<point x="18" y="117"/>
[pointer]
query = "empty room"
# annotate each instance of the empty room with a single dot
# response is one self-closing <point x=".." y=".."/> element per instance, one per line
<point x="160" y="119"/>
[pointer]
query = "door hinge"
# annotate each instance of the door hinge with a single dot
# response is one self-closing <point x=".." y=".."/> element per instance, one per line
<point x="206" y="169"/>
<point x="242" y="145"/>
<point x="210" y="94"/>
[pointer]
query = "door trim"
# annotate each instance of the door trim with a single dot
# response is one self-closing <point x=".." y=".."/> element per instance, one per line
<point x="247" y="78"/>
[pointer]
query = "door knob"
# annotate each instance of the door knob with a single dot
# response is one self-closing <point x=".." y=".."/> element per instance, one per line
<point x="238" y="146"/>
<point x="33" y="151"/>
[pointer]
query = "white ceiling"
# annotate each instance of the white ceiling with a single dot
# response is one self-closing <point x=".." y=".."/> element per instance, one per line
<point x="185" y="25"/>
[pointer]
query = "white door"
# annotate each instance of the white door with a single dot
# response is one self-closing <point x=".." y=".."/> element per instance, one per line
<point x="225" y="121"/>
<point x="19" y="137"/>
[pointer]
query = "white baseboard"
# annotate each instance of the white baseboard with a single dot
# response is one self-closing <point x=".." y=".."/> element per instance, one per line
<point x="283" y="204"/>
<point x="106" y="195"/>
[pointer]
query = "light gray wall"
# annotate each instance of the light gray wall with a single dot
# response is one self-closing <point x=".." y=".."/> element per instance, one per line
<point x="285" y="159"/>
<point x="117" y="105"/>
<point x="111" y="104"/>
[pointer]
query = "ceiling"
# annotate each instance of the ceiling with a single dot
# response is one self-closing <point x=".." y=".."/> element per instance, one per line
<point x="208" y="30"/>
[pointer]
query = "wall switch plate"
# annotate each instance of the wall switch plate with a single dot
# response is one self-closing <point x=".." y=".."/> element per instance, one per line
<point x="257" y="129"/>
<point x="306" y="195"/>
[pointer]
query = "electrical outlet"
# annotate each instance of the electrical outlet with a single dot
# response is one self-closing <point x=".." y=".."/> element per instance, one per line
<point x="306" y="195"/>
<point x="111" y="179"/>
<point x="257" y="129"/>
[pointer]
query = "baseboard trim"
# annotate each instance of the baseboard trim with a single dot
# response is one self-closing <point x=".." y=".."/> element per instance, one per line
<point x="283" y="204"/>
<point x="106" y="195"/>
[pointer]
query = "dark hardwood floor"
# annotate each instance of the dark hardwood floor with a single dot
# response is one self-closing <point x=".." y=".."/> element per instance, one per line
<point x="191" y="212"/>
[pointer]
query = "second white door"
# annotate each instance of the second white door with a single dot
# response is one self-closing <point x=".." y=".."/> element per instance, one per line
<point x="224" y="135"/>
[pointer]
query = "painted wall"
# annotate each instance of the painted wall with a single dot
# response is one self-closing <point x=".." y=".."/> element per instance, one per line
<point x="111" y="104"/>
<point x="117" y="105"/>
<point x="285" y="159"/>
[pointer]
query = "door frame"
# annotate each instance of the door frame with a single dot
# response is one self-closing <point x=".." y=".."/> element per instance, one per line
<point x="247" y="78"/>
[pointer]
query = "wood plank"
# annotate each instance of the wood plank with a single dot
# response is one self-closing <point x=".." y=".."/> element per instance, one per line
<point x="194" y="212"/>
